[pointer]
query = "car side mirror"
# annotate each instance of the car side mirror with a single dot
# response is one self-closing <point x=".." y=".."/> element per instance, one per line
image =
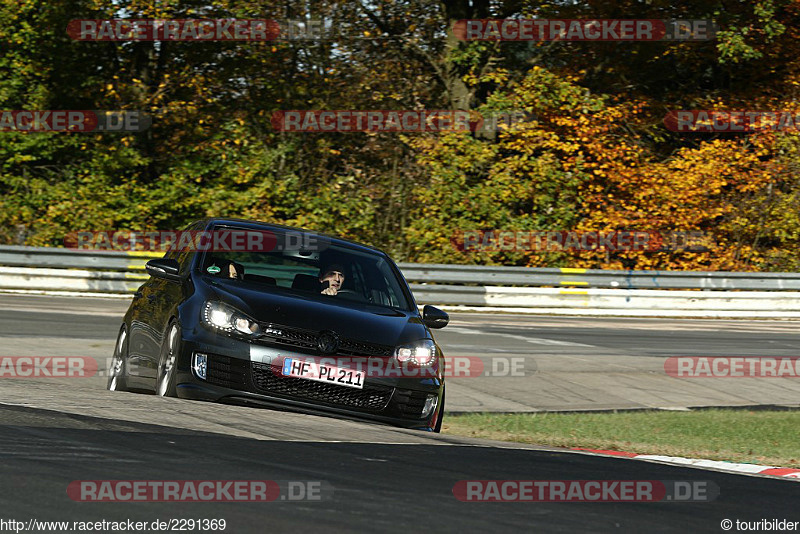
<point x="434" y="317"/>
<point x="164" y="268"/>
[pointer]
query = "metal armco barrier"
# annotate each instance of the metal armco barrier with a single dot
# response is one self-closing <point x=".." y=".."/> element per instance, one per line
<point x="22" y="278"/>
<point x="560" y="291"/>
<point x="63" y="258"/>
<point x="630" y="302"/>
<point x="531" y="276"/>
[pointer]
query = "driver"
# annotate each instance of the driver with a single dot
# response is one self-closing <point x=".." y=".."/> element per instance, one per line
<point x="333" y="274"/>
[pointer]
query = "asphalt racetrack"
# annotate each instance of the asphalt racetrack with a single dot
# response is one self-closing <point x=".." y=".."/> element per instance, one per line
<point x="377" y="478"/>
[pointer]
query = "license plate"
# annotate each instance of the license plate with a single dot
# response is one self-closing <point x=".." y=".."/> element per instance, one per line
<point x="311" y="370"/>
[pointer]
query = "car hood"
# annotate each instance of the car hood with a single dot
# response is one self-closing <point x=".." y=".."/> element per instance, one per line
<point x="353" y="320"/>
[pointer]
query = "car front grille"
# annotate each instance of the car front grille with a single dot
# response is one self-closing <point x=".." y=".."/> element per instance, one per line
<point x="226" y="372"/>
<point x="349" y="347"/>
<point x="410" y="403"/>
<point x="371" y="397"/>
<point x="307" y="340"/>
<point x="291" y="337"/>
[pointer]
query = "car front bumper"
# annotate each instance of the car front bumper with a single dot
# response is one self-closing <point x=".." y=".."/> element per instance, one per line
<point x="243" y="372"/>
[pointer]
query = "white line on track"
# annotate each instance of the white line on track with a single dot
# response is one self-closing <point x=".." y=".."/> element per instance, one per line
<point x="62" y="311"/>
<point x="534" y="340"/>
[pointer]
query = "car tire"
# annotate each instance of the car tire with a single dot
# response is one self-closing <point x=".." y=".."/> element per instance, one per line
<point x="167" y="364"/>
<point x="440" y="417"/>
<point x="118" y="368"/>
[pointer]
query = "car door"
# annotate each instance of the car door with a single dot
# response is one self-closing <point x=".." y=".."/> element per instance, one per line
<point x="142" y="339"/>
<point x="159" y="299"/>
<point x="164" y="300"/>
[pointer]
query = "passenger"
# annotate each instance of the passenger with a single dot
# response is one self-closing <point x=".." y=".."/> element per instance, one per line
<point x="227" y="269"/>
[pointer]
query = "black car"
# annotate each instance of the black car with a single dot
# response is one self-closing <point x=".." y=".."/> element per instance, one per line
<point x="296" y="318"/>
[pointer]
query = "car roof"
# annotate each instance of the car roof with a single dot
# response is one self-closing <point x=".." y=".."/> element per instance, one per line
<point x="259" y="225"/>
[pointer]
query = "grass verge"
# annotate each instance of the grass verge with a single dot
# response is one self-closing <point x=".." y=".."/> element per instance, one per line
<point x="759" y="437"/>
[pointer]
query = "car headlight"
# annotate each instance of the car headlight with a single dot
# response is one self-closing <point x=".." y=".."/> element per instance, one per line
<point x="228" y="319"/>
<point x="422" y="352"/>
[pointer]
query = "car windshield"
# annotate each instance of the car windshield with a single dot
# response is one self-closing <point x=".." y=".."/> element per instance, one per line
<point x="352" y="274"/>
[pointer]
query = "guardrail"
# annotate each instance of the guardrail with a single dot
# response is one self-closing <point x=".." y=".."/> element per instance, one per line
<point x="597" y="278"/>
<point x="16" y="256"/>
<point x="540" y="290"/>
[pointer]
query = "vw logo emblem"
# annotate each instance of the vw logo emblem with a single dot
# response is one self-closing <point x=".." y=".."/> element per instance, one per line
<point x="328" y="342"/>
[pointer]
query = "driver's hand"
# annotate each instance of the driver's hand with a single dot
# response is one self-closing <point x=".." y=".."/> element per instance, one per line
<point x="329" y="291"/>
